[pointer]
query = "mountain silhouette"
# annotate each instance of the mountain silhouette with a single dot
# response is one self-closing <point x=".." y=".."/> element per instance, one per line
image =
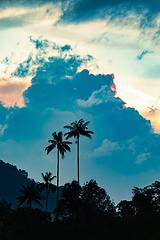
<point x="11" y="179"/>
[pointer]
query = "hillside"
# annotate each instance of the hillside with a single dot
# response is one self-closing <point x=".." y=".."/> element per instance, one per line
<point x="10" y="183"/>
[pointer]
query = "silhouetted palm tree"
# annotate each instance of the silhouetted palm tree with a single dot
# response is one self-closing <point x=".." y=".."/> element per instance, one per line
<point x="31" y="193"/>
<point x="62" y="147"/>
<point x="47" y="185"/>
<point x="78" y="128"/>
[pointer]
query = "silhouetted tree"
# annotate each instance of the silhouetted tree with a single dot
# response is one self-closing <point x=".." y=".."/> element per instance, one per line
<point x="95" y="198"/>
<point x="49" y="187"/>
<point x="78" y="128"/>
<point x="92" y="199"/>
<point x="126" y="208"/>
<point x="31" y="193"/>
<point x="62" y="147"/>
<point x="5" y="211"/>
<point x="68" y="205"/>
<point x="147" y="200"/>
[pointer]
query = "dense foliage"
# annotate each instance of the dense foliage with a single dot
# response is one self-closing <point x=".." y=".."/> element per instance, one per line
<point x="92" y="216"/>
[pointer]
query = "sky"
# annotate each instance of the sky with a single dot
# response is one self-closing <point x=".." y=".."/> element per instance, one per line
<point x="98" y="60"/>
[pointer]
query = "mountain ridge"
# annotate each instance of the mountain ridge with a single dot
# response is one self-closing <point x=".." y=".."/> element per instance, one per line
<point x="11" y="179"/>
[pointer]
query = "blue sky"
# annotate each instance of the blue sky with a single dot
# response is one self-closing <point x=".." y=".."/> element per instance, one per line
<point x="66" y="60"/>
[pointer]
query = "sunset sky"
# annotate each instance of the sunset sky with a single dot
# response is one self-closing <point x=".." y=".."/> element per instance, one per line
<point x="98" y="60"/>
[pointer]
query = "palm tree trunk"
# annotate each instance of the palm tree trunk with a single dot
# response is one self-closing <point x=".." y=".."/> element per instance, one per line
<point x="78" y="162"/>
<point x="46" y="198"/>
<point x="78" y="158"/>
<point x="31" y="224"/>
<point x="57" y="182"/>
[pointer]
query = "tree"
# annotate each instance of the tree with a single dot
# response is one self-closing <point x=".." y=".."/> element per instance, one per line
<point x="147" y="200"/>
<point x="126" y="208"/>
<point x="5" y="212"/>
<point x="47" y="185"/>
<point x="78" y="128"/>
<point x="62" y="147"/>
<point x="68" y="205"/>
<point x="31" y="193"/>
<point x="95" y="198"/>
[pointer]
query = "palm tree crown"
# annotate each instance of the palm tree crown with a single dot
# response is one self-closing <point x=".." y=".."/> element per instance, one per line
<point x="78" y="128"/>
<point x="31" y="193"/>
<point x="62" y="146"/>
<point x="47" y="185"/>
<point x="47" y="181"/>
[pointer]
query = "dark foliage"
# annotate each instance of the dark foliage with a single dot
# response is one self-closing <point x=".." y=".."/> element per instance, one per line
<point x="90" y="217"/>
<point x="92" y="199"/>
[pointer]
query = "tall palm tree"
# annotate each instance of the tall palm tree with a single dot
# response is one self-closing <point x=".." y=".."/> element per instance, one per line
<point x="62" y="147"/>
<point x="31" y="193"/>
<point x="78" y="128"/>
<point x="47" y="185"/>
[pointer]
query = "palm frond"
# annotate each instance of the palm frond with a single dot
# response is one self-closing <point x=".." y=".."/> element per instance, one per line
<point x="21" y="200"/>
<point x="86" y="133"/>
<point x="66" y="147"/>
<point x="67" y="142"/>
<point x="38" y="202"/>
<point x="86" y="123"/>
<point x="49" y="148"/>
<point x="69" y="127"/>
<point x="52" y="178"/>
<point x="52" y="141"/>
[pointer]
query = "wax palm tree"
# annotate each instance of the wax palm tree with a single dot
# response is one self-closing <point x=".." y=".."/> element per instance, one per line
<point x="31" y="193"/>
<point x="78" y="128"/>
<point x="47" y="185"/>
<point x="62" y="147"/>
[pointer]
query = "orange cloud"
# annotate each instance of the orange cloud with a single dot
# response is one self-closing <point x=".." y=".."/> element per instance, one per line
<point x="11" y="92"/>
<point x="153" y="114"/>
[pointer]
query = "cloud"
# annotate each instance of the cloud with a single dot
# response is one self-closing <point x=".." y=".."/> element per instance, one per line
<point x="74" y="11"/>
<point x="139" y="57"/>
<point x="106" y="149"/>
<point x="59" y="93"/>
<point x="58" y="85"/>
<point x="142" y="157"/>
<point x="104" y="95"/>
<point x="82" y="10"/>
<point x="16" y="14"/>
<point x="11" y="92"/>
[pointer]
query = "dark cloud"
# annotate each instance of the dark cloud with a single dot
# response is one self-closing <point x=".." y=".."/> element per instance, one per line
<point x="41" y="44"/>
<point x="24" y="124"/>
<point x="44" y="63"/>
<point x="124" y="140"/>
<point x="86" y="10"/>
<point x="4" y="114"/>
<point x="120" y="123"/>
<point x="139" y="57"/>
<point x="24" y="69"/>
<point x="66" y="47"/>
<point x="83" y="10"/>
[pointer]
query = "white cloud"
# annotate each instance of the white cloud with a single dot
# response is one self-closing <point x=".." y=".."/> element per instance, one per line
<point x="142" y="157"/>
<point x="106" y="149"/>
<point x="2" y="128"/>
<point x="104" y="95"/>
